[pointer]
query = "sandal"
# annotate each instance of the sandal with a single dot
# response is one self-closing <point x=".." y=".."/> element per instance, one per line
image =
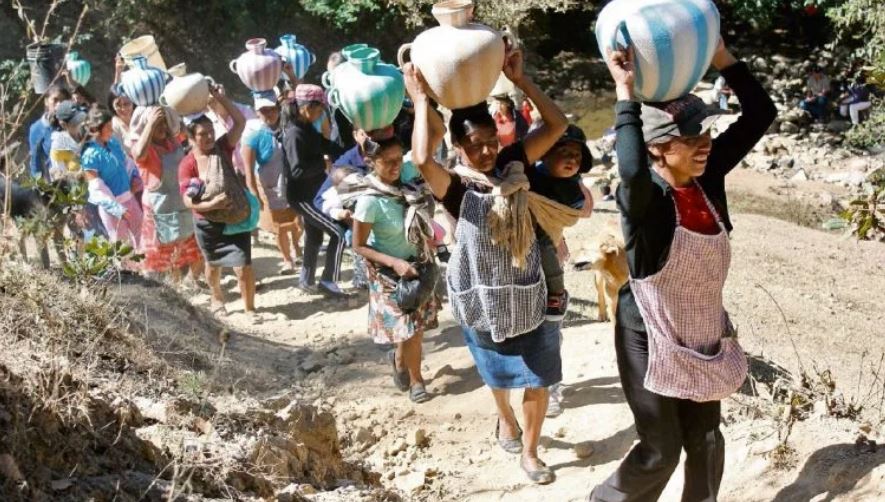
<point x="542" y="476"/>
<point x="400" y="377"/>
<point x="217" y="309"/>
<point x="418" y="394"/>
<point x="510" y="445"/>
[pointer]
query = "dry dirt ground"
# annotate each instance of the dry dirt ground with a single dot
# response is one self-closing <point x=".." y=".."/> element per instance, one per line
<point x="801" y="297"/>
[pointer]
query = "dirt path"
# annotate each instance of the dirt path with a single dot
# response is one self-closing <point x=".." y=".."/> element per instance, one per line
<point x="830" y="289"/>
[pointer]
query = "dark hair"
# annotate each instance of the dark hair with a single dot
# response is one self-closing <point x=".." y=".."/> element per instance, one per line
<point x="467" y="120"/>
<point x="191" y="127"/>
<point x="97" y="117"/>
<point x="83" y="92"/>
<point x="506" y="101"/>
<point x="373" y="148"/>
<point x="59" y="89"/>
<point x="335" y="58"/>
<point x="113" y="96"/>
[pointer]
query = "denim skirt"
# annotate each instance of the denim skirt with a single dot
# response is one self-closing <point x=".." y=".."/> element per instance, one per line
<point x="530" y="360"/>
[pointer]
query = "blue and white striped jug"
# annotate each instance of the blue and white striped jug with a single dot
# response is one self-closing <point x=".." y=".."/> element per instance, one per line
<point x="673" y="40"/>
<point x="369" y="93"/>
<point x="296" y="54"/>
<point x="143" y="84"/>
<point x="79" y="69"/>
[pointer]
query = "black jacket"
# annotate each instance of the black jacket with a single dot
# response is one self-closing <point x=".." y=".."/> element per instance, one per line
<point x="648" y="213"/>
<point x="305" y="168"/>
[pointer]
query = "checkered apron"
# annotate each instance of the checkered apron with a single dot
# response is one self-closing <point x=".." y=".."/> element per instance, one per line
<point x="693" y="349"/>
<point x="486" y="292"/>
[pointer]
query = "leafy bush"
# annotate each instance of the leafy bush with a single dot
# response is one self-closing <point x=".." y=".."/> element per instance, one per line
<point x="61" y="201"/>
<point x="866" y="214"/>
<point x="99" y="260"/>
<point x="871" y="132"/>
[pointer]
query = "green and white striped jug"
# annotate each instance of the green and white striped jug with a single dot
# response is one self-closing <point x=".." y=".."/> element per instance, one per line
<point x="80" y="69"/>
<point x="369" y="92"/>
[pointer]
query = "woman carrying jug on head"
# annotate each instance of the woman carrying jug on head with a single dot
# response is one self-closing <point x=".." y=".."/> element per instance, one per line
<point x="496" y="287"/>
<point x="219" y="249"/>
<point x="167" y="236"/>
<point x="676" y="348"/>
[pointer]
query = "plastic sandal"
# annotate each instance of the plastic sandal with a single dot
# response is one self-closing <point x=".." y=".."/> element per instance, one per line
<point x="418" y="394"/>
<point x="542" y="476"/>
<point x="400" y="378"/>
<point x="510" y="445"/>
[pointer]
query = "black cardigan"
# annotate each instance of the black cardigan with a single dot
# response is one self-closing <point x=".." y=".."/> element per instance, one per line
<point x="304" y="166"/>
<point x="648" y="214"/>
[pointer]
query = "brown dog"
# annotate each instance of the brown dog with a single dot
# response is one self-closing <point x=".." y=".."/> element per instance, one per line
<point x="608" y="259"/>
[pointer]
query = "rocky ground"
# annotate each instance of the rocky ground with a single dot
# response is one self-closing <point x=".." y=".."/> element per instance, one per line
<point x="789" y="285"/>
<point x="132" y="391"/>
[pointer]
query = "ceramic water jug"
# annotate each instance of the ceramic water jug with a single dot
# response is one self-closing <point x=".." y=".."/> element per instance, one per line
<point x="673" y="41"/>
<point x="187" y="95"/>
<point x="143" y="46"/>
<point x="259" y="68"/>
<point x="178" y="70"/>
<point x="328" y="78"/>
<point x="296" y="54"/>
<point x="79" y="69"/>
<point x="371" y="94"/>
<point x="143" y="84"/>
<point x="350" y="49"/>
<point x="460" y="60"/>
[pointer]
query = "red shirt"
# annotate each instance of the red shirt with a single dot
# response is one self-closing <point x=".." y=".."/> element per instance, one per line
<point x="506" y="129"/>
<point x="694" y="213"/>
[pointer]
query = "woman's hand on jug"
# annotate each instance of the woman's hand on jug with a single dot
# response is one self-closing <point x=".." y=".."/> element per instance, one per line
<point x="415" y="84"/>
<point x="623" y="71"/>
<point x="514" y="66"/>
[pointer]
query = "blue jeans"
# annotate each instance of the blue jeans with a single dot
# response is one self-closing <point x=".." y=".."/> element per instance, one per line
<point x="816" y="106"/>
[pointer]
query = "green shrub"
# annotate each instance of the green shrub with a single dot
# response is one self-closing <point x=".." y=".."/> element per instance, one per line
<point x="871" y="132"/>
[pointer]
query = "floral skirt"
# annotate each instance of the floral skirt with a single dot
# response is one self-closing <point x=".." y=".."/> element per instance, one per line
<point x="387" y="323"/>
<point x="163" y="257"/>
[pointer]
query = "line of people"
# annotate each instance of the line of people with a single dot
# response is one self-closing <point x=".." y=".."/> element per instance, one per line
<point x="510" y="197"/>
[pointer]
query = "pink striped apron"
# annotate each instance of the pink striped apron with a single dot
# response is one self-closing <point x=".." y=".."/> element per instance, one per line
<point x="693" y="352"/>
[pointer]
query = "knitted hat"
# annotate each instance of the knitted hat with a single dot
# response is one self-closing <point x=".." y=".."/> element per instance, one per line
<point x="309" y="93"/>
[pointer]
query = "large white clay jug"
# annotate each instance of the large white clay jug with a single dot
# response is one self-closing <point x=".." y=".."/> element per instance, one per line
<point x="146" y="46"/>
<point x="187" y="95"/>
<point x="459" y="60"/>
<point x="674" y="42"/>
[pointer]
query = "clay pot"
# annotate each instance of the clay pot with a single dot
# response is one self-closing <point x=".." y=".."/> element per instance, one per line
<point x="673" y="42"/>
<point x="178" y="70"/>
<point x="296" y="54"/>
<point x="460" y="60"/>
<point x="259" y="68"/>
<point x="187" y="95"/>
<point x="143" y="84"/>
<point x="369" y="92"/>
<point x="79" y="69"/>
<point x="328" y="78"/>
<point x="143" y="46"/>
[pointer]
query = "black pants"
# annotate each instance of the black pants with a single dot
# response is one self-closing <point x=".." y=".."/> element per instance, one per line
<point x="553" y="274"/>
<point x="665" y="426"/>
<point x="315" y="225"/>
